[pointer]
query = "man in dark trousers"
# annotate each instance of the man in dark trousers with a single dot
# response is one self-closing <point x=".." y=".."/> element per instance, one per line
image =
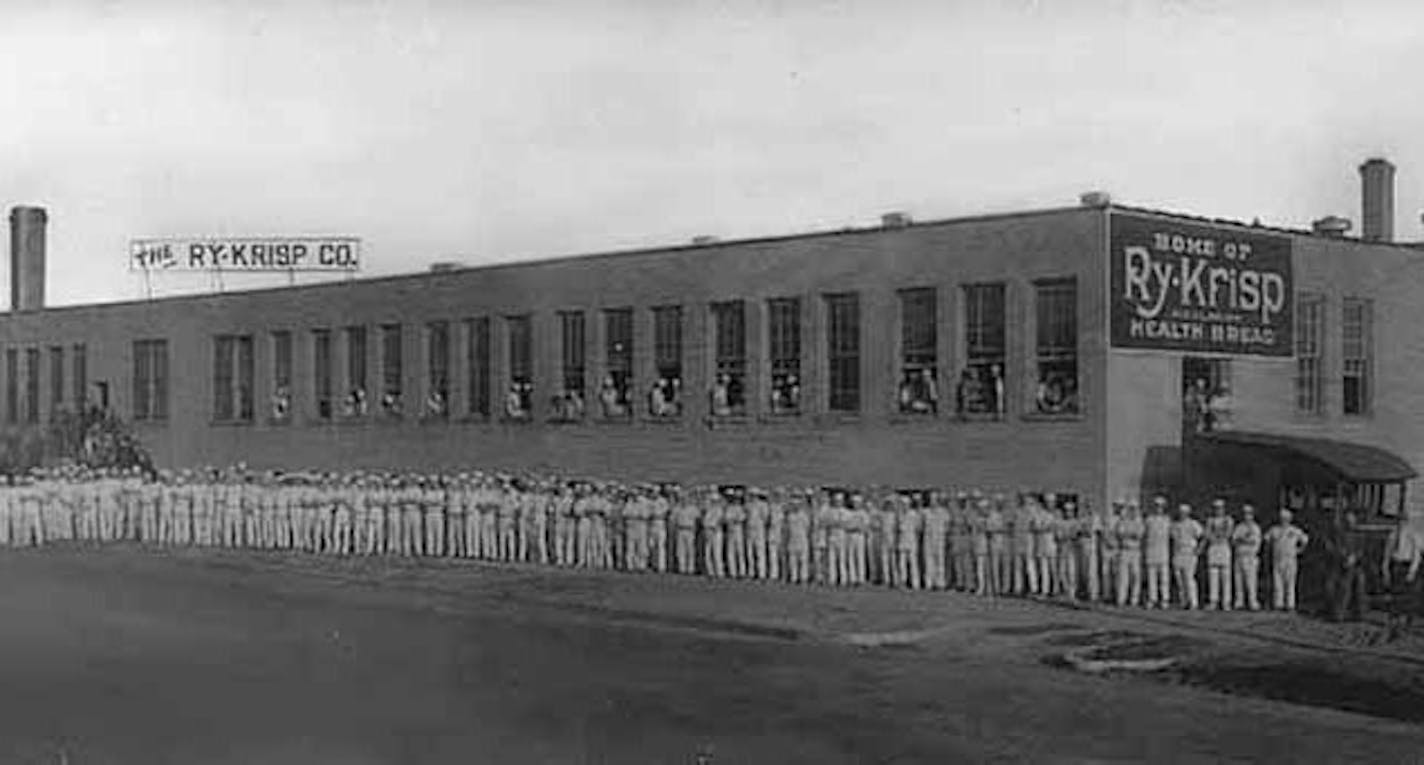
<point x="1346" y="586"/>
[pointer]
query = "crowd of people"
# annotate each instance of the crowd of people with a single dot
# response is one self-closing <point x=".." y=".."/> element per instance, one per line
<point x="1032" y="544"/>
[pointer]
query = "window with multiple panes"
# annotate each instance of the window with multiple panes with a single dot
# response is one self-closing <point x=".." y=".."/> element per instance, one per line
<point x="665" y="398"/>
<point x="1356" y="351"/>
<point x="392" y="370"/>
<point x="843" y="352"/>
<point x="232" y="378"/>
<point x="281" y="404"/>
<point x="981" y="384"/>
<point x="81" y="376"/>
<point x="477" y="365"/>
<point x="784" y="352"/>
<point x="616" y="390"/>
<point x="150" y="379"/>
<point x="322" y="387"/>
<point x="1206" y="393"/>
<point x="56" y="380"/>
<point x="356" y="402"/>
<point x="32" y="385"/>
<point x="12" y="385"/>
<point x="919" y="357"/>
<point x="1309" y="354"/>
<point x="729" y="343"/>
<point x="1056" y="346"/>
<point x="437" y="371"/>
<point x="573" y="337"/>
<point x="519" y="399"/>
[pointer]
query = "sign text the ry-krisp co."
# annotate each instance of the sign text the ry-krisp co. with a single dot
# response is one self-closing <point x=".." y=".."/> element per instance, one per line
<point x="241" y="254"/>
<point x="1185" y="287"/>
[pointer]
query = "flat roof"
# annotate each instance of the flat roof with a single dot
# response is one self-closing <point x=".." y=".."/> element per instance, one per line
<point x="707" y="245"/>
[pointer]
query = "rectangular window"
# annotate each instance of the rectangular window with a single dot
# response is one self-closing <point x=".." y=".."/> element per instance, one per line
<point x="665" y="399"/>
<point x="357" y="402"/>
<point x="573" y="341"/>
<point x="729" y="342"/>
<point x="616" y="391"/>
<point x="919" y="355"/>
<point x="843" y="352"/>
<point x="519" y="401"/>
<point x="1206" y="394"/>
<point x="81" y="376"/>
<point x="232" y="378"/>
<point x="281" y="375"/>
<point x="12" y="385"/>
<point x="1357" y="352"/>
<point x="784" y="351"/>
<point x="1056" y="346"/>
<point x="150" y="379"/>
<point x="322" y="387"/>
<point x="32" y="385"/>
<point x="56" y="381"/>
<point x="981" y="385"/>
<point x="477" y="363"/>
<point x="437" y="373"/>
<point x="1309" y="344"/>
<point x="392" y="370"/>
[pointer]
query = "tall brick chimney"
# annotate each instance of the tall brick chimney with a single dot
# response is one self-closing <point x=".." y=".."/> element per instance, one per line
<point x="27" y="258"/>
<point x="1377" y="200"/>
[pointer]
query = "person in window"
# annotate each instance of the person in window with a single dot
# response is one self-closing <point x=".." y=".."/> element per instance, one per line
<point x="391" y="403"/>
<point x="793" y="393"/>
<point x="674" y="396"/>
<point x="435" y="404"/>
<point x="281" y="403"/>
<point x="356" y="402"/>
<point x="918" y="394"/>
<point x="657" y="398"/>
<point x="994" y="387"/>
<point x="514" y="402"/>
<point x="969" y="393"/>
<point x="1196" y="406"/>
<point x="610" y="398"/>
<point x="722" y="396"/>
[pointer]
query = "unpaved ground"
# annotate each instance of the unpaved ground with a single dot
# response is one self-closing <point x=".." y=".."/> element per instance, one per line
<point x="141" y="656"/>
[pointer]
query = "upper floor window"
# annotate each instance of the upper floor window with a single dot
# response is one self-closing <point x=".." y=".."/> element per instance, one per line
<point x="357" y="402"/>
<point x="32" y="385"/>
<point x="1309" y="356"/>
<point x="392" y="371"/>
<point x="843" y="352"/>
<point x="56" y="380"/>
<point x="1056" y="346"/>
<point x="519" y="399"/>
<point x="281" y="404"/>
<point x="437" y="369"/>
<point x="784" y="346"/>
<point x="569" y="404"/>
<point x="1357" y="352"/>
<point x="981" y="383"/>
<point x="615" y="393"/>
<point x="150" y="380"/>
<point x="729" y="343"/>
<point x="477" y="364"/>
<point x="665" y="395"/>
<point x="322" y="388"/>
<point x="919" y="360"/>
<point x="232" y="378"/>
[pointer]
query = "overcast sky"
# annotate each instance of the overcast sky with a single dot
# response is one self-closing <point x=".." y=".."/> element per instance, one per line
<point x="497" y="131"/>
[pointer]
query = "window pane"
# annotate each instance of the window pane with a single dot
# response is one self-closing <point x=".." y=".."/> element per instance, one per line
<point x="615" y="391"/>
<point x="519" y="399"/>
<point x="981" y="383"/>
<point x="32" y="385"/>
<point x="665" y="397"/>
<point x="477" y="361"/>
<point x="356" y="402"/>
<point x="918" y="391"/>
<point x="1056" y="307"/>
<point x="81" y="376"/>
<point x="56" y="379"/>
<point x="392" y="369"/>
<point x="843" y="351"/>
<point x="321" y="362"/>
<point x="244" y="378"/>
<point x="730" y="345"/>
<point x="784" y="340"/>
<point x="437" y="356"/>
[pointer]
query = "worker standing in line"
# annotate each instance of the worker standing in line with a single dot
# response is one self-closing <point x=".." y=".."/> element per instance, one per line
<point x="1130" y="533"/>
<point x="1218" y="556"/>
<point x="1246" y="540"/>
<point x="775" y="531"/>
<point x="1287" y="542"/>
<point x="1157" y="553"/>
<point x="1186" y="535"/>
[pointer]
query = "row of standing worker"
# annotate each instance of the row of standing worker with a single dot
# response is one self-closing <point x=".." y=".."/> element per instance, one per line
<point x="1035" y="543"/>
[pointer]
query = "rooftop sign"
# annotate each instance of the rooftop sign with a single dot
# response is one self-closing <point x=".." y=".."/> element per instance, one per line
<point x="278" y="253"/>
<point x="1182" y="287"/>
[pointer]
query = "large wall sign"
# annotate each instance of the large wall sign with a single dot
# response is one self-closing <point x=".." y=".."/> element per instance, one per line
<point x="1183" y="287"/>
<point x="291" y="253"/>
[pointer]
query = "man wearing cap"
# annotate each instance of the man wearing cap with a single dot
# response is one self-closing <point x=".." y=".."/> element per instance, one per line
<point x="907" y="544"/>
<point x="858" y="526"/>
<point x="1186" y="535"/>
<point x="798" y="541"/>
<point x="757" y="513"/>
<point x="980" y="539"/>
<point x="1130" y="533"/>
<point x="684" y="520"/>
<point x="713" y="562"/>
<point x="961" y="546"/>
<point x="1023" y="576"/>
<point x="1043" y="523"/>
<point x="1111" y="549"/>
<point x="1218" y="556"/>
<point x="1000" y="560"/>
<point x="936" y="533"/>
<point x="1287" y="542"/>
<point x="1246" y="548"/>
<point x="820" y="525"/>
<point x="659" y="512"/>
<point x="775" y="532"/>
<point x="1157" y="553"/>
<point x="1065" y="528"/>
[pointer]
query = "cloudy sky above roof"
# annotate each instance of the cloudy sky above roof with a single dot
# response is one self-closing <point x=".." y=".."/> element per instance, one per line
<point x="490" y="131"/>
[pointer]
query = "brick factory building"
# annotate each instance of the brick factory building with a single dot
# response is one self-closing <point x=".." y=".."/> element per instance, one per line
<point x="1097" y="350"/>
